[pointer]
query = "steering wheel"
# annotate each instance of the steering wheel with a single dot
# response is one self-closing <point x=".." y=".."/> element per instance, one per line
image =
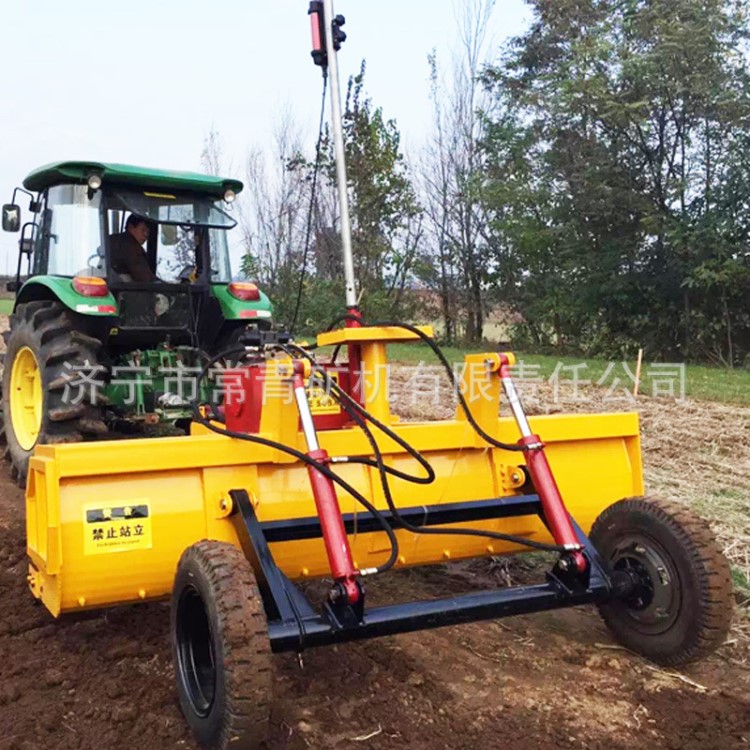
<point x="188" y="274"/>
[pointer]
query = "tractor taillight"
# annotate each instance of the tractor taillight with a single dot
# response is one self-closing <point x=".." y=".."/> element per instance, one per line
<point x="244" y="291"/>
<point x="90" y="286"/>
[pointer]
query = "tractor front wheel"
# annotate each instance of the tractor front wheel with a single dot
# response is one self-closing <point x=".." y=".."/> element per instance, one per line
<point x="676" y="599"/>
<point x="45" y="353"/>
<point x="220" y="647"/>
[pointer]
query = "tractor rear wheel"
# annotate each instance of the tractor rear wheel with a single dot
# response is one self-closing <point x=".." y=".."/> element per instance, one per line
<point x="220" y="647"/>
<point x="45" y="353"/>
<point x="230" y="337"/>
<point x="679" y="601"/>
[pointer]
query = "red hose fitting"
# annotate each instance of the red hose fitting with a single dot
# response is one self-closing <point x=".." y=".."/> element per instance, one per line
<point x="354" y="350"/>
<point x="354" y="318"/>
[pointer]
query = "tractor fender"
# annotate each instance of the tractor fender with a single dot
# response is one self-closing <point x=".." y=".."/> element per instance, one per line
<point x="61" y="288"/>
<point x="235" y="309"/>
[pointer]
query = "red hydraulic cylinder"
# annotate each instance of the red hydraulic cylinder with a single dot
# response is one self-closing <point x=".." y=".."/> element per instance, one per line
<point x="332" y="525"/>
<point x="555" y="513"/>
<point x="327" y="504"/>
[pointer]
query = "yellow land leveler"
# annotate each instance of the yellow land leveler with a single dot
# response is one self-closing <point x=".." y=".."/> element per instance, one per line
<point x="303" y="472"/>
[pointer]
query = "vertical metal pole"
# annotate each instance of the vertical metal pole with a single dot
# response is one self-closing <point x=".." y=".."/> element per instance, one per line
<point x="338" y="143"/>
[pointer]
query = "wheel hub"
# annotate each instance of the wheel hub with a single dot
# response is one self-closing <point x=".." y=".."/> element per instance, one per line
<point x="26" y="398"/>
<point x="651" y="596"/>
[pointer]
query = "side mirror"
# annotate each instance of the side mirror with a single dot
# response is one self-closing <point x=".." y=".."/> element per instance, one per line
<point x="11" y="217"/>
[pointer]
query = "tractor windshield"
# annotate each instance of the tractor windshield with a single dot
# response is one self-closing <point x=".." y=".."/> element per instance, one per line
<point x="178" y="251"/>
<point x="69" y="230"/>
<point x="167" y="208"/>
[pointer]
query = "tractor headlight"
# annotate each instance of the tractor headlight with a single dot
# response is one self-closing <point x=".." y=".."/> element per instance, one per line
<point x="229" y="196"/>
<point x="94" y="181"/>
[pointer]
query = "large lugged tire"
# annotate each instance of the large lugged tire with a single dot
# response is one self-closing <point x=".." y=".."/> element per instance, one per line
<point x="680" y="608"/>
<point x="233" y="332"/>
<point x="220" y="647"/>
<point x="42" y="338"/>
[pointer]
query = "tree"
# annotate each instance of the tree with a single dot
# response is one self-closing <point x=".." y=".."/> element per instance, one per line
<point x="385" y="216"/>
<point x="451" y="179"/>
<point x="635" y="115"/>
<point x="212" y="155"/>
<point x="273" y="215"/>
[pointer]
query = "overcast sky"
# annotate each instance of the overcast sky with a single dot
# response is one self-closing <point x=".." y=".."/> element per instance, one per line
<point x="143" y="82"/>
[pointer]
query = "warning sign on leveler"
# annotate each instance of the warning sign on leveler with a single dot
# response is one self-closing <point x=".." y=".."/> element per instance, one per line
<point x="320" y="398"/>
<point x="116" y="529"/>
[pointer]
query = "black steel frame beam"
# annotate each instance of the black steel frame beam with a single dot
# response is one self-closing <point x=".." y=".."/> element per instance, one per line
<point x="436" y="613"/>
<point x="294" y="624"/>
<point x="295" y="529"/>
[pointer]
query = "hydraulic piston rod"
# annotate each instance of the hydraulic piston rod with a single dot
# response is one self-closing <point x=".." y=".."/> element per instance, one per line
<point x="327" y="504"/>
<point x="541" y="474"/>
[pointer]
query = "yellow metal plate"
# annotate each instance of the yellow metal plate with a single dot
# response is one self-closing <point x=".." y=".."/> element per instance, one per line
<point x="370" y="333"/>
<point x="116" y="529"/>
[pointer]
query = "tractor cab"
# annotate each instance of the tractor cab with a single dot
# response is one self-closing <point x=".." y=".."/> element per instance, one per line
<point x="163" y="286"/>
<point x="77" y="246"/>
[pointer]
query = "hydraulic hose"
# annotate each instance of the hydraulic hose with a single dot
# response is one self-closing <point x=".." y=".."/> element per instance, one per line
<point x="299" y="455"/>
<point x="448" y="369"/>
<point x="347" y="403"/>
<point x="360" y="416"/>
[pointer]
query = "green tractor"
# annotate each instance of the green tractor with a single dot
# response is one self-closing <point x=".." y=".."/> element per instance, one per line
<point x="92" y="348"/>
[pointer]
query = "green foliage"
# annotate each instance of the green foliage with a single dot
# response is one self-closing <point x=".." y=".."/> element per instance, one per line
<point x="618" y="177"/>
<point x="384" y="215"/>
<point x="383" y="203"/>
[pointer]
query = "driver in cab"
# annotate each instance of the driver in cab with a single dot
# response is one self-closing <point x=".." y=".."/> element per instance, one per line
<point x="126" y="253"/>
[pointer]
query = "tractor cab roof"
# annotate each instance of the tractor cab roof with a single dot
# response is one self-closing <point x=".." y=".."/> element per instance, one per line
<point x="78" y="172"/>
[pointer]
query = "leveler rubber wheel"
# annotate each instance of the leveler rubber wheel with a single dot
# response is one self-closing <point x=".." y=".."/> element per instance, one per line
<point x="220" y="647"/>
<point x="679" y="607"/>
<point x="43" y="337"/>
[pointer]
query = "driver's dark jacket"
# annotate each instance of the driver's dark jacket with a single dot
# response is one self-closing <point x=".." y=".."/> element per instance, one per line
<point x="127" y="256"/>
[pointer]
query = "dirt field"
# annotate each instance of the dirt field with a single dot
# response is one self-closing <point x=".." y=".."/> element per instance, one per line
<point x="545" y="681"/>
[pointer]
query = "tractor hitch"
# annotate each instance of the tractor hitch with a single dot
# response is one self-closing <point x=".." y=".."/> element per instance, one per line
<point x="259" y="338"/>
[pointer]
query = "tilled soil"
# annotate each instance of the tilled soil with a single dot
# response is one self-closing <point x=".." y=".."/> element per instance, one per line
<point x="545" y="681"/>
<point x="555" y="680"/>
